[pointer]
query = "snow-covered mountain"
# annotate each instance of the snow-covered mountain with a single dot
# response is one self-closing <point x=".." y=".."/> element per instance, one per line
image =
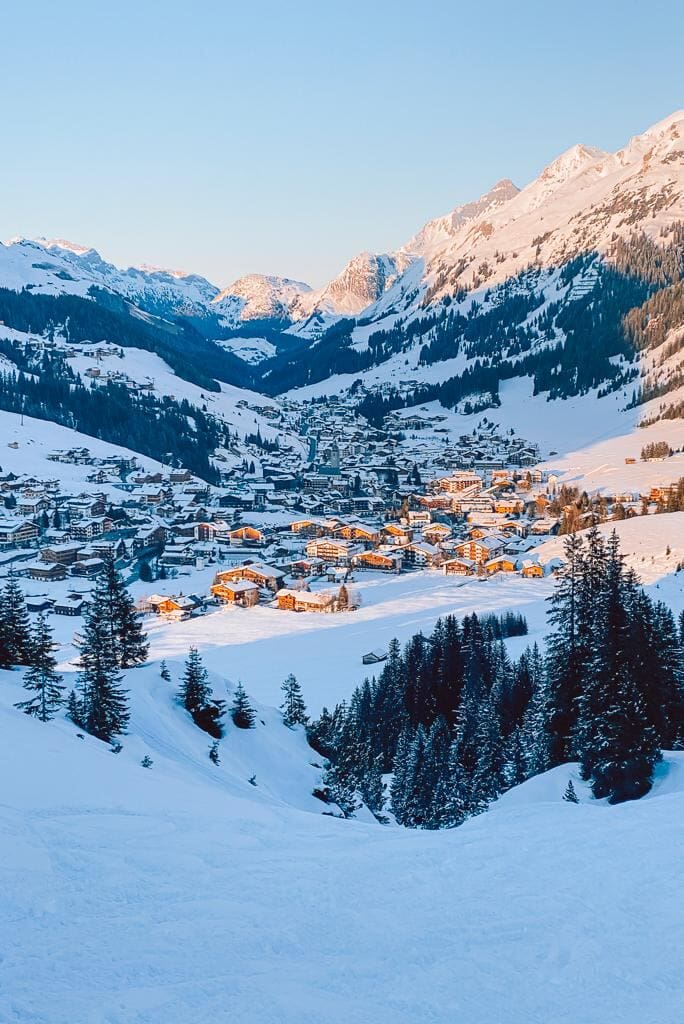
<point x="58" y="267"/>
<point x="583" y="201"/>
<point x="260" y="297"/>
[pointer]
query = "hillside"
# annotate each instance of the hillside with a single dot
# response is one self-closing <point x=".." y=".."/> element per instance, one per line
<point x="182" y="891"/>
<point x="566" y="294"/>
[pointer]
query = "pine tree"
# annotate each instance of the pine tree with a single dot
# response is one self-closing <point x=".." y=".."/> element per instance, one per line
<point x="570" y="795"/>
<point x="567" y="655"/>
<point x="15" y="638"/>
<point x="164" y="672"/>
<point x="534" y="731"/>
<point x="371" y="786"/>
<point x="102" y="707"/>
<point x="399" y="783"/>
<point x="456" y="805"/>
<point x="242" y="713"/>
<point x="340" y="791"/>
<point x="195" y="692"/>
<point x="125" y="635"/>
<point x="41" y="678"/>
<point x="214" y="753"/>
<point x="293" y="706"/>
<point x="147" y="761"/>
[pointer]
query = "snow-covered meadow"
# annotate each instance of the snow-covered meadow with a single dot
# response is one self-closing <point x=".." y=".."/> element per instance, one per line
<point x="182" y="892"/>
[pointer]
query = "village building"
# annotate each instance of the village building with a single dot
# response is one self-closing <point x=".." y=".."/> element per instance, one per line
<point x="265" y="576"/>
<point x="482" y="550"/>
<point x="306" y="601"/>
<point x="15" y="532"/>
<point x="383" y="561"/>
<point x="458" y="567"/>
<point x="244" y="593"/>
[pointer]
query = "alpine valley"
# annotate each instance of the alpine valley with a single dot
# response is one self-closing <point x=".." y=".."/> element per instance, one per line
<point x="342" y="628"/>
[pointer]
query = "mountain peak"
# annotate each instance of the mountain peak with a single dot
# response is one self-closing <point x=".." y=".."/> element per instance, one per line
<point x="65" y="245"/>
<point x="570" y="163"/>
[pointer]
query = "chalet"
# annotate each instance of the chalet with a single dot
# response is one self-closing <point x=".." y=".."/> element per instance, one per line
<point x="383" y="561"/>
<point x="419" y="517"/>
<point x="305" y="601"/>
<point x="32" y="506"/>
<point x="421" y="553"/>
<point x="532" y="569"/>
<point x="331" y="551"/>
<point x="502" y="563"/>
<point x="545" y="526"/>
<point x="482" y="550"/>
<point x="263" y="575"/>
<point x="177" y="554"/>
<point x="458" y="567"/>
<point x="509" y="505"/>
<point x="460" y="482"/>
<point x="244" y="593"/>
<point x="87" y="529"/>
<point x="86" y="506"/>
<point x="178" y="606"/>
<point x="246" y="536"/>
<point x="374" y="657"/>
<point x="87" y="567"/>
<point x="16" y="532"/>
<point x="308" y="528"/>
<point x="69" y="606"/>
<point x="149" y="539"/>
<point x="393" y="533"/>
<point x="46" y="571"/>
<point x="435" y="533"/>
<point x="307" y="567"/>
<point x="65" y="553"/>
<point x="39" y="604"/>
<point x="358" y="532"/>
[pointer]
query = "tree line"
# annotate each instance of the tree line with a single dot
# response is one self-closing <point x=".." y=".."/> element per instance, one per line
<point x="456" y="722"/>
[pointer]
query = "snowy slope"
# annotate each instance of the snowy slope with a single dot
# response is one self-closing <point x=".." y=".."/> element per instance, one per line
<point x="652" y="545"/>
<point x="183" y="893"/>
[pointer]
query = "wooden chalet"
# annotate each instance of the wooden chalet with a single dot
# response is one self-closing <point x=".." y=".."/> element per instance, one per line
<point x="458" y="567"/>
<point x="257" y="572"/>
<point x="502" y="563"/>
<point x="482" y="550"/>
<point x="393" y="533"/>
<point x="305" y="601"/>
<point x="246" y="536"/>
<point x="383" y="561"/>
<point x="244" y="593"/>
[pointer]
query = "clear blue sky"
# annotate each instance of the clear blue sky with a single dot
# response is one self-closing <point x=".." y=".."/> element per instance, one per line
<point x="284" y="137"/>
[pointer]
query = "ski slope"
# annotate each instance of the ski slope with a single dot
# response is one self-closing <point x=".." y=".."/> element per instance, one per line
<point x="183" y="893"/>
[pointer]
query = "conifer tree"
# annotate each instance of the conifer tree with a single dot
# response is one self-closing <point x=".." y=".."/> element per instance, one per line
<point x="242" y="712"/>
<point x="570" y="796"/>
<point x="126" y="638"/>
<point x="340" y="791"/>
<point x="101" y="708"/>
<point x="566" y="654"/>
<point x="455" y="808"/>
<point x="293" y="706"/>
<point x="41" y="679"/>
<point x="15" y="638"/>
<point x="164" y="671"/>
<point x="194" y="692"/>
<point x="398" y="785"/>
